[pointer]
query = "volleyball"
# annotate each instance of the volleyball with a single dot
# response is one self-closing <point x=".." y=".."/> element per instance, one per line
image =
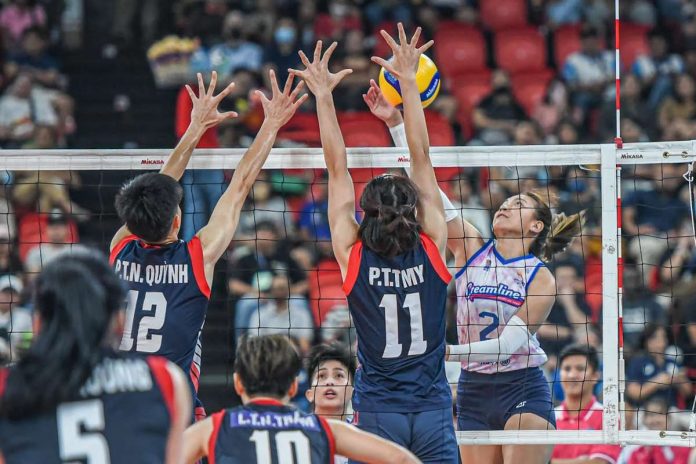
<point x="427" y="78"/>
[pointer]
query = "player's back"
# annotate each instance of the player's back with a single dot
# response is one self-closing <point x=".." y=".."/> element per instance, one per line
<point x="167" y="300"/>
<point x="123" y="413"/>
<point x="398" y="307"/>
<point x="268" y="432"/>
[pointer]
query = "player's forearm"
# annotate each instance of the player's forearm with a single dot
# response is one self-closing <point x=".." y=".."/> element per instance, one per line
<point x="179" y="158"/>
<point x="414" y="120"/>
<point x="331" y="138"/>
<point x="251" y="163"/>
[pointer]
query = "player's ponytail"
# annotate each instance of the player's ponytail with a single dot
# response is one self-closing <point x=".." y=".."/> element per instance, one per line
<point x="75" y="298"/>
<point x="389" y="227"/>
<point x="559" y="229"/>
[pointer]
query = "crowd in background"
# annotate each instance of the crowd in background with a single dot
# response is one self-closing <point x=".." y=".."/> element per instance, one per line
<point x="280" y="275"/>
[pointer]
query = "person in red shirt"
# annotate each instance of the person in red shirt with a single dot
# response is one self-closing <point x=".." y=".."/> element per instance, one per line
<point x="579" y="366"/>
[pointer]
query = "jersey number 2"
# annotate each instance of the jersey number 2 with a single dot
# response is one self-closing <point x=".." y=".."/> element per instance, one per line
<point x="392" y="348"/>
<point x="292" y="447"/>
<point x="154" y="303"/>
<point x="80" y="432"/>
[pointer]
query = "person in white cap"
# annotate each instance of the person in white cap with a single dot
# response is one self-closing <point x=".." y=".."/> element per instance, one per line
<point x="15" y="321"/>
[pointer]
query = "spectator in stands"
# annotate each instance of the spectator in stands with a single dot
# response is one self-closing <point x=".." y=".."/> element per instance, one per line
<point x="655" y="416"/>
<point x="562" y="12"/>
<point x="15" y="321"/>
<point x="633" y="106"/>
<point x="281" y="54"/>
<point x="654" y="213"/>
<point x="579" y="365"/>
<point x="497" y="115"/>
<point x="58" y="238"/>
<point x="466" y="200"/>
<point x="342" y="16"/>
<point x="551" y="109"/>
<point x="263" y="206"/>
<point x="679" y="262"/>
<point x="22" y="108"/>
<point x="237" y="51"/>
<point x="640" y="307"/>
<point x="34" y="59"/>
<point x="589" y="72"/>
<point x="352" y="55"/>
<point x="16" y="17"/>
<point x="281" y="313"/>
<point x="313" y="223"/>
<point x="652" y="374"/>
<point x="657" y="69"/>
<point x="567" y="322"/>
<point x="125" y="12"/>
<point x="682" y="105"/>
<point x="9" y="261"/>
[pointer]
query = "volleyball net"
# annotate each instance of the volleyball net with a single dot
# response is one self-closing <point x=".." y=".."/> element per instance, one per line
<point x="279" y="275"/>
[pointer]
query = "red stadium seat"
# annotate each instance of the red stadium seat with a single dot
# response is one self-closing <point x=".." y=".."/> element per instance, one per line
<point x="460" y="50"/>
<point x="302" y="127"/>
<point x="520" y="50"/>
<point x="439" y="129"/>
<point x="634" y="42"/>
<point x="364" y="134"/>
<point x="468" y="95"/>
<point x="529" y="89"/>
<point x="503" y="14"/>
<point x="325" y="300"/>
<point x="32" y="231"/>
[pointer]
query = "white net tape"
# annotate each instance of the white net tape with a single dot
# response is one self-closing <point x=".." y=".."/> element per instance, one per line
<point x="603" y="158"/>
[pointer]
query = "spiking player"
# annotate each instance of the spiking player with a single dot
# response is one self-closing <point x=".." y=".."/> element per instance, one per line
<point x="504" y="292"/>
<point x="394" y="272"/>
<point x="72" y="397"/>
<point x="169" y="280"/>
<point x="265" y="430"/>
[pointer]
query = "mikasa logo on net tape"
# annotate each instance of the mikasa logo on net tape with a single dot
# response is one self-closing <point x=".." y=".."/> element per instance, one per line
<point x="149" y="161"/>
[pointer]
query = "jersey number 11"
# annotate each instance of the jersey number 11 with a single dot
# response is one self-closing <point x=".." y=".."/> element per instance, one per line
<point x="391" y="321"/>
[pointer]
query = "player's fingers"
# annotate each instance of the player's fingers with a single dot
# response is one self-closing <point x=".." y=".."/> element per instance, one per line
<point x="213" y="83"/>
<point x="190" y="92"/>
<point x="317" y="52"/>
<point x="384" y="63"/>
<point x="374" y="86"/>
<point x="201" y="86"/>
<point x="416" y="36"/>
<point x="402" y="34"/>
<point x="296" y="72"/>
<point x="300" y="101"/>
<point x="368" y="101"/>
<point x="288" y="84"/>
<point x="274" y="83"/>
<point x="426" y="46"/>
<point x="390" y="41"/>
<point x="297" y="90"/>
<point x="328" y="53"/>
<point x="225" y="92"/>
<point x="341" y="74"/>
<point x="228" y="115"/>
<point x="261" y="96"/>
<point x="303" y="58"/>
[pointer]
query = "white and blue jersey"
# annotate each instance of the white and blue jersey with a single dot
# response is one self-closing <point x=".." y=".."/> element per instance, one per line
<point x="490" y="291"/>
<point x="398" y="308"/>
<point x="167" y="302"/>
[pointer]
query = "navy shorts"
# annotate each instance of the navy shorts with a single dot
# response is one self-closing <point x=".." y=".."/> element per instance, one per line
<point x="428" y="434"/>
<point x="487" y="401"/>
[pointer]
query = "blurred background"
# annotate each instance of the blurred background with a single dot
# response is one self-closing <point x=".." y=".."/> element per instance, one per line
<point x="110" y="74"/>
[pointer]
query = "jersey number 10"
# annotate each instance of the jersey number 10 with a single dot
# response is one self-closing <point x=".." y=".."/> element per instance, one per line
<point x="392" y="348"/>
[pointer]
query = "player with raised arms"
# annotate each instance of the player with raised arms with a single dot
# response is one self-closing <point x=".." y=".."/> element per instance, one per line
<point x="504" y="293"/>
<point x="393" y="267"/>
<point x="266" y="430"/>
<point x="169" y="280"/>
<point x="73" y="397"/>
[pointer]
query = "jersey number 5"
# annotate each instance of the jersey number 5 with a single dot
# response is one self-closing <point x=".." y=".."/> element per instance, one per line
<point x="155" y="305"/>
<point x="392" y="348"/>
<point x="80" y="432"/>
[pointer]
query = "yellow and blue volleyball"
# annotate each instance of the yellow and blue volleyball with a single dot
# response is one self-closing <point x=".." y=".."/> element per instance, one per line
<point x="427" y="79"/>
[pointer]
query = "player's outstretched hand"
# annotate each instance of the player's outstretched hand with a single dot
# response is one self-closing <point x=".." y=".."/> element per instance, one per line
<point x="205" y="104"/>
<point x="380" y="107"/>
<point x="283" y="104"/>
<point x="317" y="75"/>
<point x="406" y="54"/>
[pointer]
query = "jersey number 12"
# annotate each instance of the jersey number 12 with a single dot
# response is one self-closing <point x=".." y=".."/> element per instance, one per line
<point x="155" y="306"/>
<point x="392" y="348"/>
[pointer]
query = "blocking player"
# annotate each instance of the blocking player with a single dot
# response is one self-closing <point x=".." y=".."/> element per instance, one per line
<point x="394" y="271"/>
<point x="168" y="279"/>
<point x="579" y="365"/>
<point x="266" y="430"/>
<point x="73" y="397"/>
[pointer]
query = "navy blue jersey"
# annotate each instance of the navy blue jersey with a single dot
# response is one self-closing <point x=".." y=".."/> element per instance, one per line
<point x="167" y="302"/>
<point x="263" y="431"/>
<point x="123" y="413"/>
<point x="398" y="307"/>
